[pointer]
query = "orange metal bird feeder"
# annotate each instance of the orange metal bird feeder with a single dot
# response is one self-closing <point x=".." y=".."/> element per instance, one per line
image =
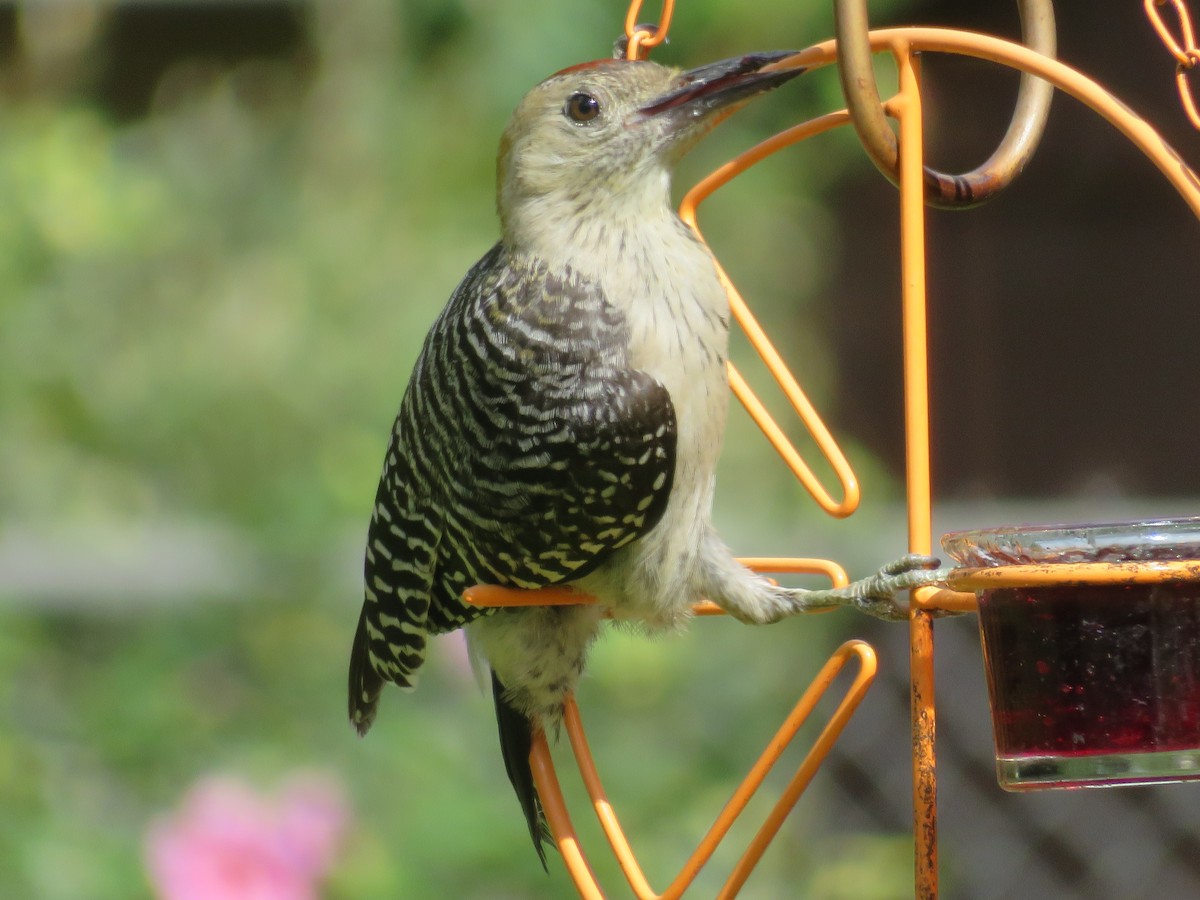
<point x="901" y="159"/>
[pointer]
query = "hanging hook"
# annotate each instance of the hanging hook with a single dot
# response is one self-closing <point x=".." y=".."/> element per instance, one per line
<point x="642" y="32"/>
<point x="640" y="38"/>
<point x="1015" y="149"/>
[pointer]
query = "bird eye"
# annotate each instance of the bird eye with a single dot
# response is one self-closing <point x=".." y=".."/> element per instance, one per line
<point x="581" y="108"/>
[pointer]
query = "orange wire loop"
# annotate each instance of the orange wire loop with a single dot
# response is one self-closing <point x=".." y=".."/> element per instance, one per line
<point x="640" y="38"/>
<point x="1179" y="46"/>
<point x="1182" y="45"/>
<point x="564" y="831"/>
<point x="1186" y="94"/>
<point x="766" y="351"/>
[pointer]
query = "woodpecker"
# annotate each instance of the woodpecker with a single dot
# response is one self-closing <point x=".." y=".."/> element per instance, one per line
<point x="563" y="422"/>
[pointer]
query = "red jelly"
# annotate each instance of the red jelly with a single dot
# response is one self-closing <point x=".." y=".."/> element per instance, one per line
<point x="1090" y="686"/>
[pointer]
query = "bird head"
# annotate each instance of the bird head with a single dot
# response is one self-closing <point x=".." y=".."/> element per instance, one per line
<point x="607" y="133"/>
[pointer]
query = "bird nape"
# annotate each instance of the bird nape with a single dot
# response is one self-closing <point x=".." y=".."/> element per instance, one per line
<point x="564" y="418"/>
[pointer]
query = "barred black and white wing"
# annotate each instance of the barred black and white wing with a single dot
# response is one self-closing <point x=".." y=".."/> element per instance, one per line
<point x="525" y="452"/>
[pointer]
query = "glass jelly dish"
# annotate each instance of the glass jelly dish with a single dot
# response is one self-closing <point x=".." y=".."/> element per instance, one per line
<point x="1097" y="685"/>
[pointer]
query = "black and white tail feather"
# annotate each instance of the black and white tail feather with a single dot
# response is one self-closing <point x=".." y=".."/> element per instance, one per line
<point x="516" y="742"/>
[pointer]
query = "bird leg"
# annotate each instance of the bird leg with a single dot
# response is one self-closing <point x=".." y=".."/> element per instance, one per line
<point x="756" y="600"/>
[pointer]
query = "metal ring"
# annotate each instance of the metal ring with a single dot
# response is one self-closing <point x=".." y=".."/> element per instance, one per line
<point x="1015" y="149"/>
<point x="651" y="36"/>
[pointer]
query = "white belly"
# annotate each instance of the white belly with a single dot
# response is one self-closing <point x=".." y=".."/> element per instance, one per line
<point x="678" y="315"/>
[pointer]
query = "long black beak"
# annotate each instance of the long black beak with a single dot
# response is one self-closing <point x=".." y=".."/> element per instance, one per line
<point x="699" y="91"/>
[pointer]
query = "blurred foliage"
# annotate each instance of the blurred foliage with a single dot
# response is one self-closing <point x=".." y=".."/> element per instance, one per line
<point x="208" y="314"/>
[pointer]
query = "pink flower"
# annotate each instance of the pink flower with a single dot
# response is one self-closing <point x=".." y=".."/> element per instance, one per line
<point x="229" y="842"/>
<point x="455" y="657"/>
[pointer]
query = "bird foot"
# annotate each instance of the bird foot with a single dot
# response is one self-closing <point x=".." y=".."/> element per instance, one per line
<point x="878" y="594"/>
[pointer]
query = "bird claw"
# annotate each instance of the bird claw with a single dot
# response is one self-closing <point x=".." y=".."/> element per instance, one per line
<point x="911" y="563"/>
<point x="881" y="591"/>
<point x="877" y="595"/>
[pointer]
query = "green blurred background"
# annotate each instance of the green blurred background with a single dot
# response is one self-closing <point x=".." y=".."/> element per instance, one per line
<point x="225" y="228"/>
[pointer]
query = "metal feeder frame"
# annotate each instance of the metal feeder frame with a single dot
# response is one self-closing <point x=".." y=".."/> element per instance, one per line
<point x="901" y="159"/>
